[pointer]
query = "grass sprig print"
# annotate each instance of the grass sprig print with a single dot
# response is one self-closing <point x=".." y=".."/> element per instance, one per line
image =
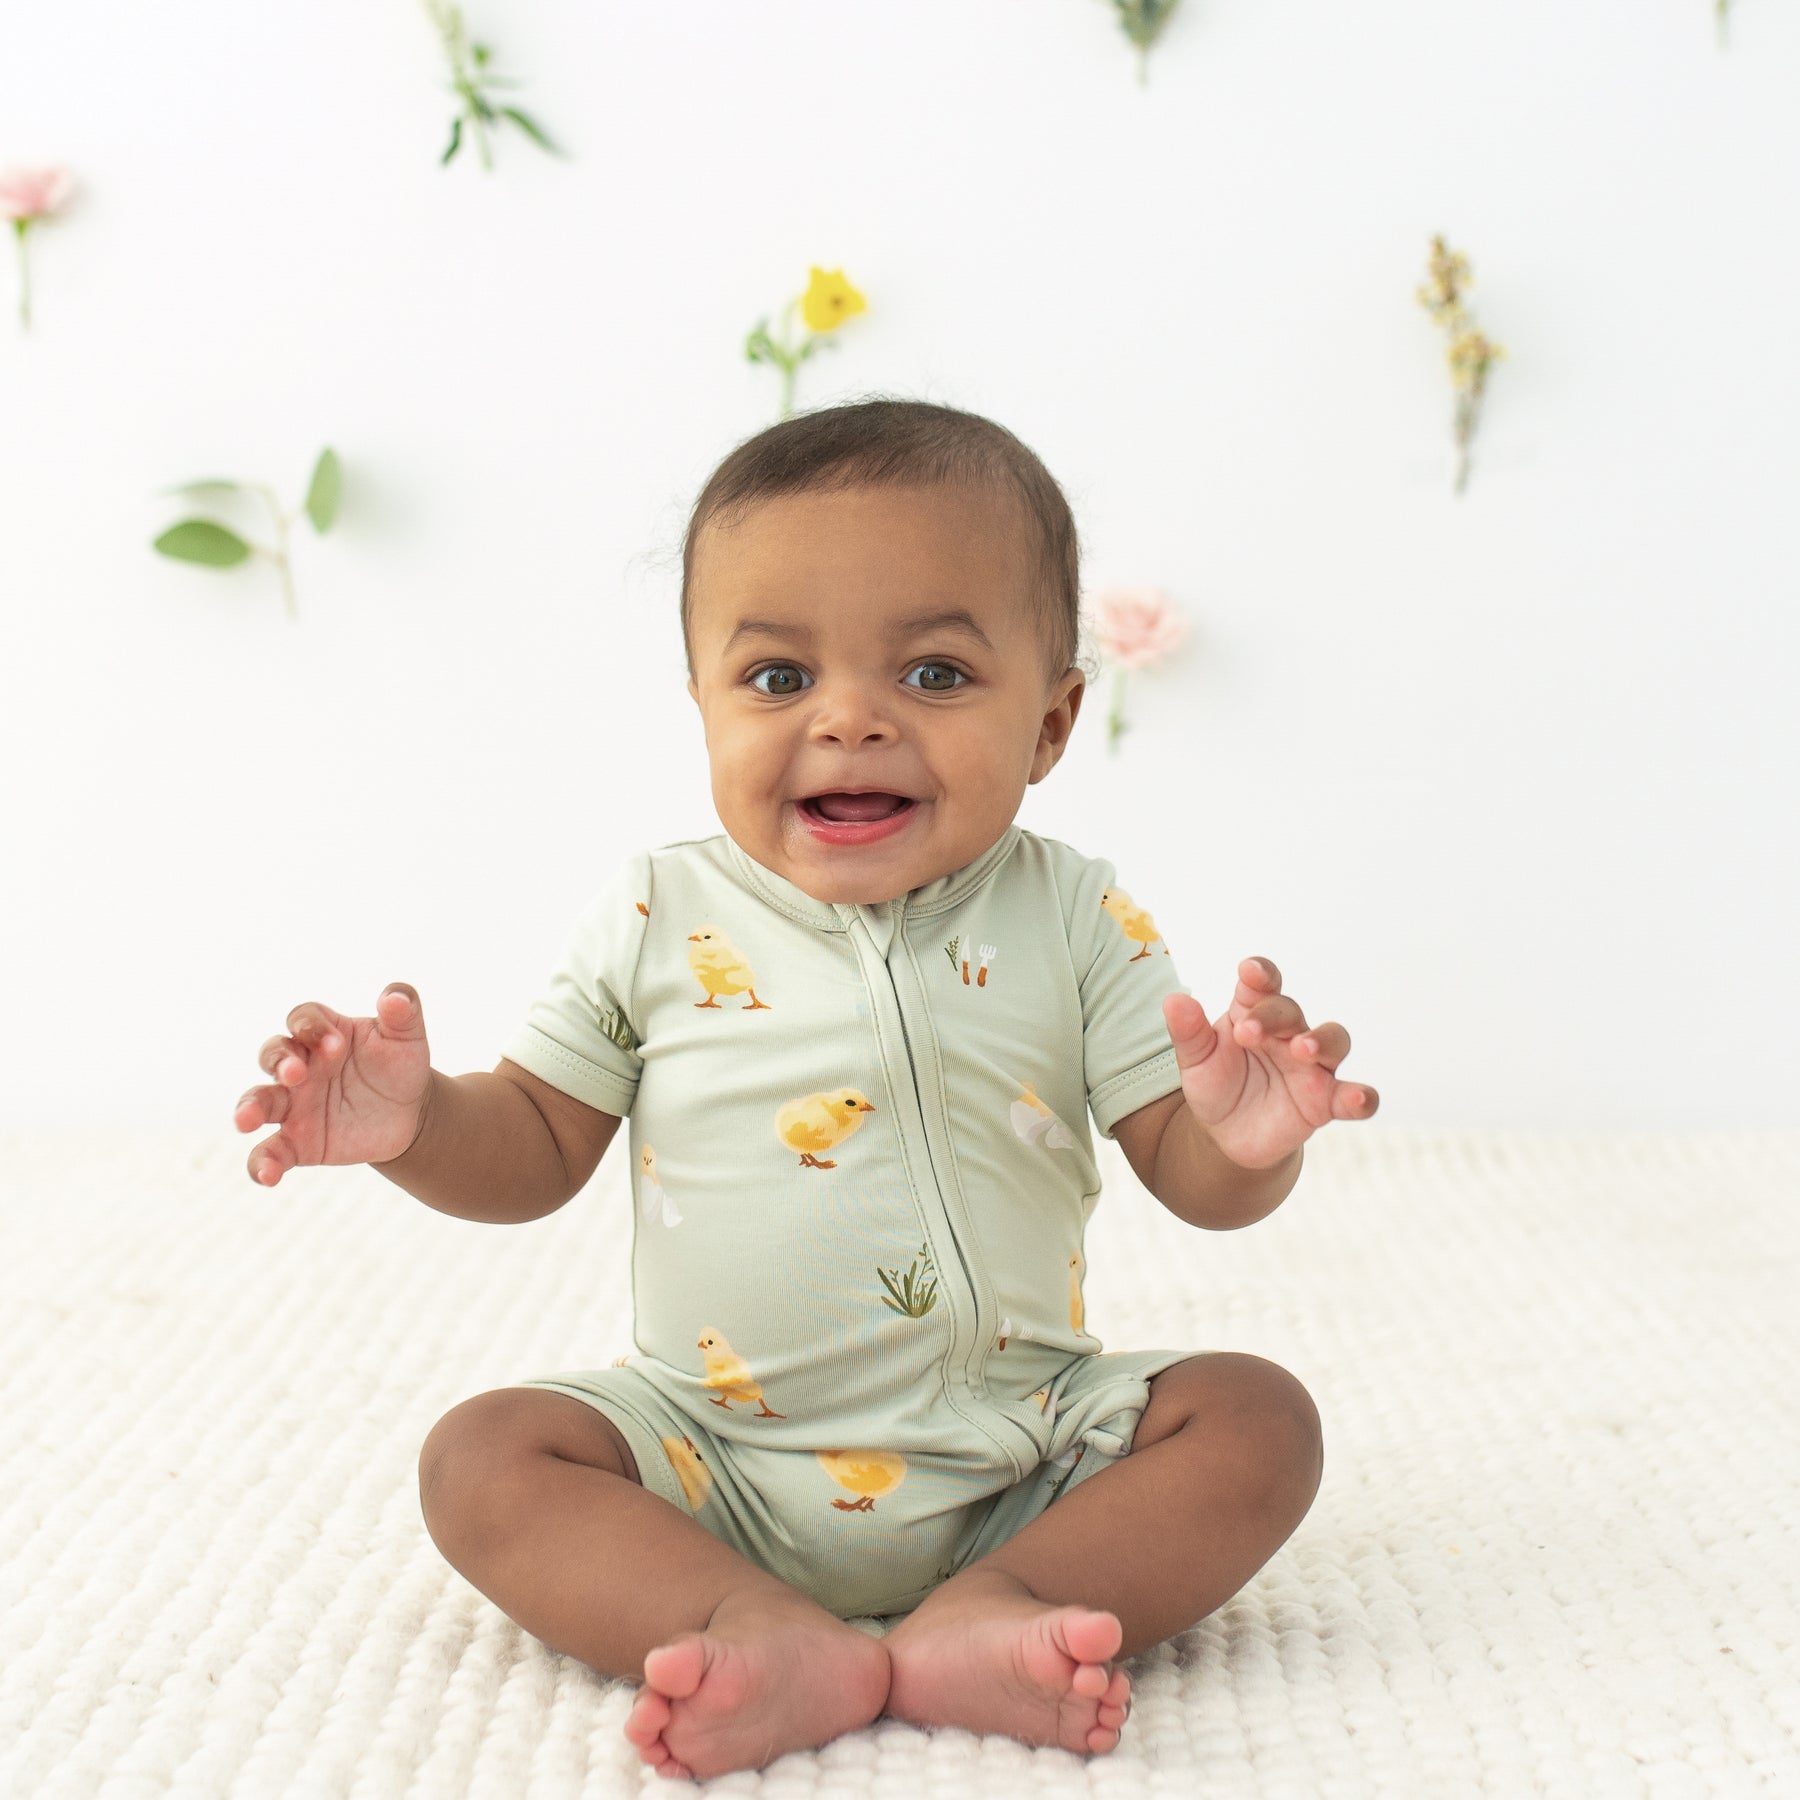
<point x="1468" y="351"/>
<point x="828" y="301"/>
<point x="216" y="546"/>
<point x="616" y="1026"/>
<point x="471" y="81"/>
<point x="914" y="1293"/>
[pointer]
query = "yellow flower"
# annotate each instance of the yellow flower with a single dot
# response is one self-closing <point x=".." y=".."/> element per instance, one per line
<point x="1469" y="356"/>
<point x="829" y="300"/>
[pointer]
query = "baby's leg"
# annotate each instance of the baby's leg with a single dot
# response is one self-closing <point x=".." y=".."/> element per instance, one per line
<point x="534" y="1496"/>
<point x="1223" y="1465"/>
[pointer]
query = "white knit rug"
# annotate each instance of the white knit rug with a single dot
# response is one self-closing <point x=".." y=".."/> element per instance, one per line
<point x="1555" y="1551"/>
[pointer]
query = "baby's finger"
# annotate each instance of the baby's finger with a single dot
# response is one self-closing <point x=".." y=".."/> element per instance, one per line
<point x="270" y="1160"/>
<point x="286" y="1058"/>
<point x="260" y="1106"/>
<point x="1327" y="1045"/>
<point x="1190" y="1031"/>
<point x="315" y="1026"/>
<point x="1258" y="978"/>
<point x="1278" y="1017"/>
<point x="1350" y="1101"/>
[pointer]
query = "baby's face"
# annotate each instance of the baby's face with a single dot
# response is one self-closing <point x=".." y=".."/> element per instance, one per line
<point x="871" y="671"/>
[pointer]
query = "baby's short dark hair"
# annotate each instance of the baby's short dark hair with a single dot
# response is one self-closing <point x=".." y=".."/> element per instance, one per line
<point x="887" y="442"/>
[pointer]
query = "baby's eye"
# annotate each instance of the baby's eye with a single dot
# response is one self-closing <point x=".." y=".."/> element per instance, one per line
<point x="780" y="678"/>
<point x="935" y="677"/>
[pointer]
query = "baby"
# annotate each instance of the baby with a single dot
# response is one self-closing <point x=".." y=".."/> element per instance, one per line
<point x="858" y="1037"/>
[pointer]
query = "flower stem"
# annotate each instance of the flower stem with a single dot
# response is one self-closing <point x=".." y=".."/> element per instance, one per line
<point x="21" y="226"/>
<point x="279" y="555"/>
<point x="1115" y="718"/>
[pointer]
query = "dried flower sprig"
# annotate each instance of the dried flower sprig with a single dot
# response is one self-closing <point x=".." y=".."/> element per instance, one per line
<point x="1721" y="19"/>
<point x="1143" y="22"/>
<point x="469" y="78"/>
<point x="216" y="546"/>
<point x="828" y="301"/>
<point x="27" y="197"/>
<point x="1134" y="627"/>
<point x="1469" y="353"/>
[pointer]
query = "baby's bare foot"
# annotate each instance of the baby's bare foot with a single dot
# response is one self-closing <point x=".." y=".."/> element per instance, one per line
<point x="767" y="1675"/>
<point x="985" y="1654"/>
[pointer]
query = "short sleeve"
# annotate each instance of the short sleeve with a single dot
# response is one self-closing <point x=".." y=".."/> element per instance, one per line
<point x="580" y="1034"/>
<point x="1126" y="971"/>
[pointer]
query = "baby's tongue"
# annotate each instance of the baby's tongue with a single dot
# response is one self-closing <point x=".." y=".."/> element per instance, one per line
<point x="848" y="809"/>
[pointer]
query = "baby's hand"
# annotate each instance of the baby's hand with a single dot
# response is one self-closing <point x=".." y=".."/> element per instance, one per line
<point x="349" y="1090"/>
<point x="1256" y="1078"/>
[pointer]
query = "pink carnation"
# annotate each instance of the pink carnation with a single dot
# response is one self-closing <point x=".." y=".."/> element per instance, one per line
<point x="1136" y="625"/>
<point x="33" y="193"/>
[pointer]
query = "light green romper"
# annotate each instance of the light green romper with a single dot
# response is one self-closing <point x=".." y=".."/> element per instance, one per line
<point x="862" y="1170"/>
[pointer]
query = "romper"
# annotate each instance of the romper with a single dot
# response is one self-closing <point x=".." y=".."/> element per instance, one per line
<point x="862" y="1172"/>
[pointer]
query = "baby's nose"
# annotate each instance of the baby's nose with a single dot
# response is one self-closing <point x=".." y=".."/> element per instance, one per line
<point x="853" y="716"/>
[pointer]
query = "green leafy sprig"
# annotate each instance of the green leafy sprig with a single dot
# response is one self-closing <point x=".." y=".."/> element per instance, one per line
<point x="470" y="80"/>
<point x="216" y="546"/>
<point x="914" y="1293"/>
<point x="1143" y="21"/>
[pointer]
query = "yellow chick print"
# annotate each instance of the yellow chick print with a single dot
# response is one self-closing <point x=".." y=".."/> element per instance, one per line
<point x="721" y="969"/>
<point x="1042" y="1397"/>
<point x="868" y="1474"/>
<point x="1037" y="1124"/>
<point x="1077" y="1312"/>
<point x="820" y="1122"/>
<point x="690" y="1469"/>
<point x="1132" y="920"/>
<point x="653" y="1203"/>
<point x="730" y="1374"/>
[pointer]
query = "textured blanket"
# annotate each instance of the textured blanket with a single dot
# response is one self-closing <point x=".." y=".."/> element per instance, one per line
<point x="1555" y="1551"/>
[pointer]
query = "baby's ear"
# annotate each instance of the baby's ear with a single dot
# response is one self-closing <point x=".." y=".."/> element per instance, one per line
<point x="1059" y="720"/>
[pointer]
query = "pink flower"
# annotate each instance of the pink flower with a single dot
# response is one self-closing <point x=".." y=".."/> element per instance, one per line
<point x="27" y="194"/>
<point x="1136" y="625"/>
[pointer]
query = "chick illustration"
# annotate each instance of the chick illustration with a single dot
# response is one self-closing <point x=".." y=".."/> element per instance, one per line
<point x="720" y="968"/>
<point x="1077" y="1312"/>
<point x="1132" y="920"/>
<point x="690" y="1469"/>
<point x="1037" y="1124"/>
<point x="820" y="1122"/>
<point x="653" y="1203"/>
<point x="1042" y="1397"/>
<point x="730" y="1374"/>
<point x="868" y="1474"/>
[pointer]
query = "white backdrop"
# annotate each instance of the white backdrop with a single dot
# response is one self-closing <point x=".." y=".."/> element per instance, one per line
<point x="1499" y="782"/>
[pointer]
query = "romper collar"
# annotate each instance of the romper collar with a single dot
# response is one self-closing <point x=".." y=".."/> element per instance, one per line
<point x="933" y="897"/>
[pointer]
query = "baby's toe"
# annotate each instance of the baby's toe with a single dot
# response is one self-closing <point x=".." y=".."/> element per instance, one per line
<point x="675" y="1669"/>
<point x="650" y="1712"/>
<point x="1090" y="1681"/>
<point x="1100" y="1738"/>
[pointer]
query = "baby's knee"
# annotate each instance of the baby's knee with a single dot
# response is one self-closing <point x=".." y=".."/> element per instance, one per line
<point x="1253" y="1414"/>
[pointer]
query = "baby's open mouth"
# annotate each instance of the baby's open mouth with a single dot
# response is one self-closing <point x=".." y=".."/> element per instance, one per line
<point x="855" y="809"/>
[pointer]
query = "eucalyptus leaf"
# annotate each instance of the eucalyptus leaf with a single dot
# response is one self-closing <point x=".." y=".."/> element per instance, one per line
<point x="327" y="489"/>
<point x="455" y="142"/>
<point x="531" y="129"/>
<point x="201" y="541"/>
<point x="198" y="489"/>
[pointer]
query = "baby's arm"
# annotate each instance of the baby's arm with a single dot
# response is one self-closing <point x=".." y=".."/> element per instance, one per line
<point x="1255" y="1084"/>
<point x="500" y="1146"/>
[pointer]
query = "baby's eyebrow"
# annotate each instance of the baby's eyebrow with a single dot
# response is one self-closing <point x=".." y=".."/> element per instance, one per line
<point x="765" y="628"/>
<point x="955" y="620"/>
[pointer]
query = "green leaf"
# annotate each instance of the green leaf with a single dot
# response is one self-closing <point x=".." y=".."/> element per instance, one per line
<point x="198" y="489"/>
<point x="481" y="52"/>
<point x="326" y="490"/>
<point x="455" y="141"/>
<point x="531" y="129"/>
<point x="201" y="541"/>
